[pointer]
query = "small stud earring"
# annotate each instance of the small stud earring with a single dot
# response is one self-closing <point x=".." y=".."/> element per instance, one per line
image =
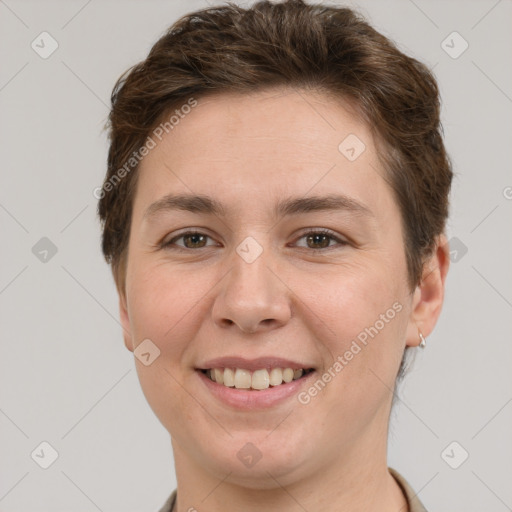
<point x="423" y="342"/>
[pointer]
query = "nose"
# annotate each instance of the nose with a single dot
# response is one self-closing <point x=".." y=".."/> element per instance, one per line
<point x="252" y="297"/>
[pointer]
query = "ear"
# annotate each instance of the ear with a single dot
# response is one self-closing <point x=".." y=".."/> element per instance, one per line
<point x="429" y="294"/>
<point x="125" y="321"/>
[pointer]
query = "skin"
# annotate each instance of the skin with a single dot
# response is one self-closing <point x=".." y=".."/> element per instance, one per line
<point x="297" y="300"/>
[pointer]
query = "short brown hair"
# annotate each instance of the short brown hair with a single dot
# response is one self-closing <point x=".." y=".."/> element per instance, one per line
<point x="295" y="44"/>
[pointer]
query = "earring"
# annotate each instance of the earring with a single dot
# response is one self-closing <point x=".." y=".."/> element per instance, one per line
<point x="423" y="342"/>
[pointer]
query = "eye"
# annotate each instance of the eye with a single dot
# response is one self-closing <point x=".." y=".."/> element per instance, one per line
<point x="320" y="239"/>
<point x="191" y="239"/>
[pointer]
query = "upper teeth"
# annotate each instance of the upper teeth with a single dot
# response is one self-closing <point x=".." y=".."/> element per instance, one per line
<point x="259" y="379"/>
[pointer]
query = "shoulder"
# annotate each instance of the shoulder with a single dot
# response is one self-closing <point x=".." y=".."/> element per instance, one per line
<point x="169" y="503"/>
<point x="413" y="501"/>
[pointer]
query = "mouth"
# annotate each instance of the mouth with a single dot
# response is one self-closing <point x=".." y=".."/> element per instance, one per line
<point x="254" y="380"/>
<point x="254" y="384"/>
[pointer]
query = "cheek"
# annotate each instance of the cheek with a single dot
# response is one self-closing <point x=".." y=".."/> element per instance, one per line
<point x="354" y="296"/>
<point x="158" y="300"/>
<point x="161" y="306"/>
<point x="364" y="314"/>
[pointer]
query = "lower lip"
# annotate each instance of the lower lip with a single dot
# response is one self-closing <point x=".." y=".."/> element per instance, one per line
<point x="254" y="399"/>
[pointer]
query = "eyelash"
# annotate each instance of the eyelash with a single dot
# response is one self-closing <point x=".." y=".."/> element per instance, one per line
<point x="169" y="245"/>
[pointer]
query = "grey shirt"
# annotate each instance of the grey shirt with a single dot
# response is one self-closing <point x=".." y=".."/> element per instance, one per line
<point x="412" y="500"/>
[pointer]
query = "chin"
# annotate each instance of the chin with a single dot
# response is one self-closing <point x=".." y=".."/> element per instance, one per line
<point x="256" y="464"/>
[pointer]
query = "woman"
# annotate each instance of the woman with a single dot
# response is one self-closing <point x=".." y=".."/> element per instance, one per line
<point x="274" y="212"/>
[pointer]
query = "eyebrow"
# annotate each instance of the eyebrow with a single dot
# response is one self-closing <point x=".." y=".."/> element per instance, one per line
<point x="290" y="206"/>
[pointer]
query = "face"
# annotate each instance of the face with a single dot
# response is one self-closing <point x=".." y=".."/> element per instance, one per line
<point x="293" y="258"/>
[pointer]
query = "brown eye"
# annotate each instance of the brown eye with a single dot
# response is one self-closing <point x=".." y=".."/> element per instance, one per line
<point x="194" y="240"/>
<point x="321" y="239"/>
<point x="191" y="240"/>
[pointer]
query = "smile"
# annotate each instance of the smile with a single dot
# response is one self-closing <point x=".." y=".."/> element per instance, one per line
<point x="254" y="380"/>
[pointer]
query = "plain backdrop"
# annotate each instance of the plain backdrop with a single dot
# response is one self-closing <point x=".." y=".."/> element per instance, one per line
<point x="66" y="378"/>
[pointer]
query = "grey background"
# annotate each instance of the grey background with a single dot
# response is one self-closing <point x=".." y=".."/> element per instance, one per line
<point x="65" y="375"/>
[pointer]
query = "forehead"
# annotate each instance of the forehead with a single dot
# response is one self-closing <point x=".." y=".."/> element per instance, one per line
<point x="269" y="123"/>
<point x="255" y="146"/>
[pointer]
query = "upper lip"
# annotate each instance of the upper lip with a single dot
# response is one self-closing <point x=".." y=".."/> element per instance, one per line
<point x="252" y="364"/>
